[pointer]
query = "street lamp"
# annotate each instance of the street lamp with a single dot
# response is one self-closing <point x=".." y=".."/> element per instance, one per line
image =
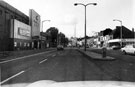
<point x="43" y="22"/>
<point x="42" y="29"/>
<point x="120" y="30"/>
<point x="85" y="5"/>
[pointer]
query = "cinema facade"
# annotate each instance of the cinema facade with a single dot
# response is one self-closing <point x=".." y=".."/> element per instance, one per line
<point x="17" y="30"/>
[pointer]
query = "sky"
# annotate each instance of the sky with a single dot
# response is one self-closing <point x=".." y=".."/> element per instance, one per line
<point x="69" y="18"/>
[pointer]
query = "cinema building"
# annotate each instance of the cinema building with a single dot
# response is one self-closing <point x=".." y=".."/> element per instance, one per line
<point x="17" y="30"/>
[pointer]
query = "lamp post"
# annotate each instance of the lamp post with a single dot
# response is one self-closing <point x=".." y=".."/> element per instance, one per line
<point x="85" y="5"/>
<point x="120" y="30"/>
<point x="133" y="35"/>
<point x="42" y="29"/>
<point x="43" y="22"/>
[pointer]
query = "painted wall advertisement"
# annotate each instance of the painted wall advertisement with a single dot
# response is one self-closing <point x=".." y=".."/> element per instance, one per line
<point x="20" y="30"/>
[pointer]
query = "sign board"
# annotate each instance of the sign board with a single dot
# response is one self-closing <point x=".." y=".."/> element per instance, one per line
<point x="34" y="22"/>
<point x="20" y="30"/>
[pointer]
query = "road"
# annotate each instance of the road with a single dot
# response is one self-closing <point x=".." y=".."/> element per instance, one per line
<point x="67" y="65"/>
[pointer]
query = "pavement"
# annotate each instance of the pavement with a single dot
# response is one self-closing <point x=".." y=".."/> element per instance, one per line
<point x="6" y="55"/>
<point x="95" y="55"/>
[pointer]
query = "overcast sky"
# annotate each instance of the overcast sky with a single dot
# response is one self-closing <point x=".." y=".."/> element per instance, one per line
<point x="65" y="16"/>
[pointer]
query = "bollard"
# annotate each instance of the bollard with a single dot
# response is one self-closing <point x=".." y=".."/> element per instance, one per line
<point x="104" y="52"/>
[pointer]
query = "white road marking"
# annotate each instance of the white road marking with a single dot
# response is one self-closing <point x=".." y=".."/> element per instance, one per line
<point x="130" y="64"/>
<point x="24" y="57"/>
<point x="11" y="77"/>
<point x="54" y="55"/>
<point x="42" y="61"/>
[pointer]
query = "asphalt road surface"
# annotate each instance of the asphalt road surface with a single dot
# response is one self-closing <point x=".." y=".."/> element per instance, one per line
<point x="62" y="66"/>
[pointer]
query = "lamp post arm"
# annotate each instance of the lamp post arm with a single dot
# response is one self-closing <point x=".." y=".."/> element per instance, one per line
<point x="91" y="4"/>
<point x="120" y="30"/>
<point x="80" y="4"/>
<point x="43" y="22"/>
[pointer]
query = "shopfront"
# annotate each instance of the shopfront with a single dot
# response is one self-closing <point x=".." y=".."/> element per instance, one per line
<point x="21" y="35"/>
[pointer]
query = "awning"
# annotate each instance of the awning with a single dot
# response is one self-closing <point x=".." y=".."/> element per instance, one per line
<point x="114" y="40"/>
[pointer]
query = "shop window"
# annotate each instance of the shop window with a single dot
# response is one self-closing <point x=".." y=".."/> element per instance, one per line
<point x="20" y="43"/>
<point x="28" y="44"/>
<point x="15" y="44"/>
<point x="32" y="44"/>
<point x="24" y="44"/>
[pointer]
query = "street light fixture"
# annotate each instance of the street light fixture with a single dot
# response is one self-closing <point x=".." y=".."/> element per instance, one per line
<point x="120" y="30"/>
<point x="85" y="5"/>
<point x="42" y="28"/>
<point x="43" y="22"/>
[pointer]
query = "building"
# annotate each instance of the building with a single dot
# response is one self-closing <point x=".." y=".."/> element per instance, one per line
<point x="20" y="35"/>
<point x="17" y="30"/>
<point x="114" y="39"/>
<point x="127" y="37"/>
<point x="35" y="28"/>
<point x="9" y="14"/>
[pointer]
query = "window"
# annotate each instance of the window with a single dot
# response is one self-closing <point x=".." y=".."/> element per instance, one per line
<point x="20" y="43"/>
<point x="32" y="44"/>
<point x="24" y="44"/>
<point x="28" y="44"/>
<point x="133" y="46"/>
<point x="0" y="12"/>
<point x="15" y="44"/>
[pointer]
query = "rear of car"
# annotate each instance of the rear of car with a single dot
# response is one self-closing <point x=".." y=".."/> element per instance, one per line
<point x="60" y="47"/>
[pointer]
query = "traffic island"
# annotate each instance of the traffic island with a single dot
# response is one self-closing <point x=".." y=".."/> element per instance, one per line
<point x="96" y="56"/>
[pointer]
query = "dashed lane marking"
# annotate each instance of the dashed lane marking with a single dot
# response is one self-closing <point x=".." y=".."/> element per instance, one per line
<point x="24" y="57"/>
<point x="42" y="61"/>
<point x="2" y="82"/>
<point x="54" y="55"/>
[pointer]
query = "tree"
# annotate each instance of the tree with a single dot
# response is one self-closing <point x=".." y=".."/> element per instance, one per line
<point x="62" y="39"/>
<point x="53" y="32"/>
<point x="107" y="31"/>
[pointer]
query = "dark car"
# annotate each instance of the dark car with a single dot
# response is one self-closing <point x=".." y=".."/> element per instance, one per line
<point x="60" y="47"/>
<point x="116" y="47"/>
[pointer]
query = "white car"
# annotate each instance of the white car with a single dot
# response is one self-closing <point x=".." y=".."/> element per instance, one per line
<point x="128" y="49"/>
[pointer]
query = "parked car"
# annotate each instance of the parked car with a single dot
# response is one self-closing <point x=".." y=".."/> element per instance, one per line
<point x="116" y="47"/>
<point x="60" y="47"/>
<point x="128" y="49"/>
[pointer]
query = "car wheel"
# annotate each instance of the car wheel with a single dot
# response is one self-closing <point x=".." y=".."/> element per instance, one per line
<point x="124" y="52"/>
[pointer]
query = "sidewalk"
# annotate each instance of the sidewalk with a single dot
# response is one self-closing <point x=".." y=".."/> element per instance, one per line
<point x="15" y="54"/>
<point x="95" y="56"/>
